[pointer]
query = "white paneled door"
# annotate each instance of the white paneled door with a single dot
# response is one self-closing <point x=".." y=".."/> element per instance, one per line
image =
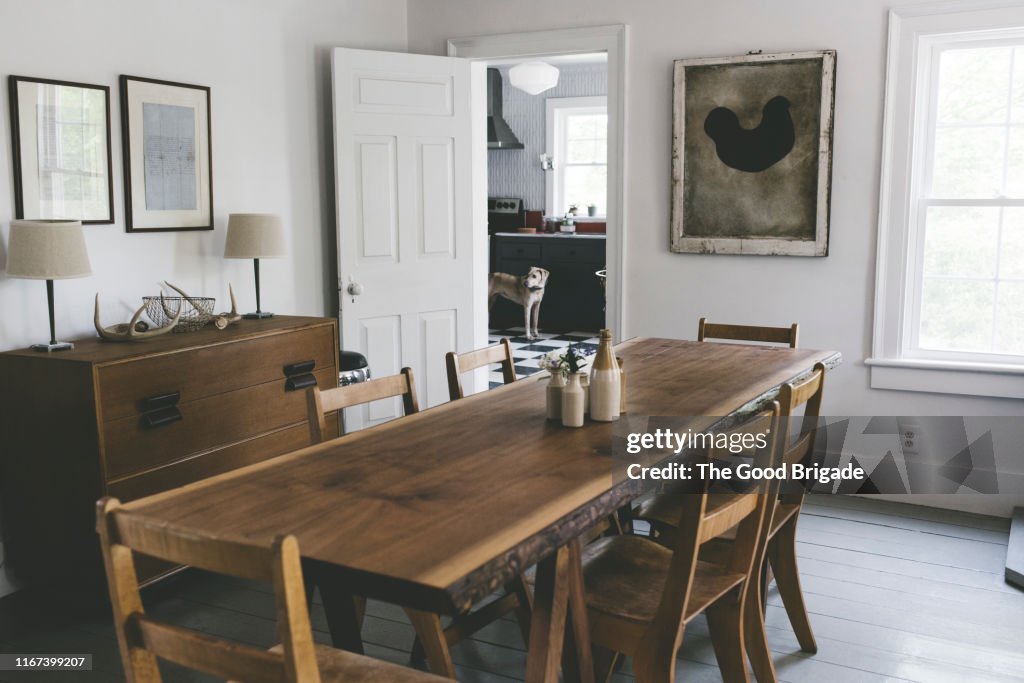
<point x="411" y="267"/>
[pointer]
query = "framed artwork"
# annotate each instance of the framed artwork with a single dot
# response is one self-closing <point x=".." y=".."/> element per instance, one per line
<point x="752" y="154"/>
<point x="60" y="133"/>
<point x="168" y="179"/>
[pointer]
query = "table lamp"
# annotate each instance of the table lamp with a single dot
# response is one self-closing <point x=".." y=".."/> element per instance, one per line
<point x="47" y="250"/>
<point x="255" y="236"/>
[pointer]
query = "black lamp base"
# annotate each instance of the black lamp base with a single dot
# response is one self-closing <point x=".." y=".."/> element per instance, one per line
<point x="257" y="315"/>
<point x="55" y="346"/>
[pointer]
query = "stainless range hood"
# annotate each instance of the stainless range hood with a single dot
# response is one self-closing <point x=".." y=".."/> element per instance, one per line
<point x="499" y="135"/>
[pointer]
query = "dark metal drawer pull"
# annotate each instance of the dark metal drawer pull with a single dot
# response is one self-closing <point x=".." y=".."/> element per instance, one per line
<point x="300" y="382"/>
<point x="161" y="417"/>
<point x="160" y="401"/>
<point x="301" y="368"/>
<point x="299" y="375"/>
<point x="160" y="410"/>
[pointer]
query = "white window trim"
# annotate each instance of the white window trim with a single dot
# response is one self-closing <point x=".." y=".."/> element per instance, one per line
<point x="913" y="32"/>
<point x="554" y="146"/>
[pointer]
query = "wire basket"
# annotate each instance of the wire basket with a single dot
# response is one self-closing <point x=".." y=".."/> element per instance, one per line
<point x="161" y="310"/>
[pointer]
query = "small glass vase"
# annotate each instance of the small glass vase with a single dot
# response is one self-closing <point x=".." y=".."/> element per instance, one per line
<point x="572" y="402"/>
<point x="554" y="395"/>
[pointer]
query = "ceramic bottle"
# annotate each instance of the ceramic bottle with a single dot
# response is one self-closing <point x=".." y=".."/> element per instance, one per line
<point x="572" y="402"/>
<point x="554" y="395"/>
<point x="622" y="387"/>
<point x="605" y="382"/>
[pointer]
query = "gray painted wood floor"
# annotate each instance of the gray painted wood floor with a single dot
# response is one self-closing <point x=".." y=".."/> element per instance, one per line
<point x="896" y="592"/>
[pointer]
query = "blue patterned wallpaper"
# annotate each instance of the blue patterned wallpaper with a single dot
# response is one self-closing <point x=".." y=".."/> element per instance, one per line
<point x="517" y="172"/>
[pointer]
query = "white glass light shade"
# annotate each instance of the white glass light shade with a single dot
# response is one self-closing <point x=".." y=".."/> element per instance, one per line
<point x="533" y="77"/>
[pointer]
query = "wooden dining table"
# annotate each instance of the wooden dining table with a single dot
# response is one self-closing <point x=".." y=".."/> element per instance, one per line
<point x="437" y="510"/>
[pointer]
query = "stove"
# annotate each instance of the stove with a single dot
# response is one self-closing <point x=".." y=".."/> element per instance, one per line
<point x="504" y="214"/>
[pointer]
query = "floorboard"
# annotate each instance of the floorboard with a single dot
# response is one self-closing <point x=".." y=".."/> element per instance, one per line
<point x="895" y="592"/>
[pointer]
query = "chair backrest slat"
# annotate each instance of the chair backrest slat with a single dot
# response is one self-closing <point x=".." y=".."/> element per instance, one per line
<point x="319" y="403"/>
<point x="165" y="542"/>
<point x="754" y="333"/>
<point x="199" y="651"/>
<point x="459" y="363"/>
<point x="142" y="639"/>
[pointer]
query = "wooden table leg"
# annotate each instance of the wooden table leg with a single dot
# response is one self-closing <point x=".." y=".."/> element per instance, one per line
<point x="547" y="627"/>
<point x="557" y="602"/>
<point x="344" y="611"/>
<point x="435" y="645"/>
<point x="579" y="661"/>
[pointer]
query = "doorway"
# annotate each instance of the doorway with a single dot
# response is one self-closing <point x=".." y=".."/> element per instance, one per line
<point x="584" y="189"/>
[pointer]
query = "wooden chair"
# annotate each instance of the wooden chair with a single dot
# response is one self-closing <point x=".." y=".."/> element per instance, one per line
<point x="661" y="512"/>
<point x="640" y="594"/>
<point x="319" y="403"/>
<point x="142" y="639"/>
<point x="774" y="335"/>
<point x="471" y="360"/>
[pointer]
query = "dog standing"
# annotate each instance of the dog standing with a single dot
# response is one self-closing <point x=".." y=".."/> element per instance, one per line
<point x="525" y="290"/>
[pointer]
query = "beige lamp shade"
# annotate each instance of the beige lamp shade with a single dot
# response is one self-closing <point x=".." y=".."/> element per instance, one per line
<point x="255" y="235"/>
<point x="47" y="250"/>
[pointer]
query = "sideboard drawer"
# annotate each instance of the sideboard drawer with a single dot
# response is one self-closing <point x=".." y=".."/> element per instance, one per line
<point x="211" y="370"/>
<point x="133" y="446"/>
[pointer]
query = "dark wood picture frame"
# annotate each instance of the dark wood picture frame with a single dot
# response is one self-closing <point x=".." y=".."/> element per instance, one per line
<point x="17" y="151"/>
<point x="138" y="217"/>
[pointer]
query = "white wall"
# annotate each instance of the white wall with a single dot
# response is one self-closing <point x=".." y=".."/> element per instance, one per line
<point x="267" y="62"/>
<point x="831" y="298"/>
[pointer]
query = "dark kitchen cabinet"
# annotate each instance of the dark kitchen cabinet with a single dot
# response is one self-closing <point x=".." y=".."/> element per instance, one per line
<point x="573" y="298"/>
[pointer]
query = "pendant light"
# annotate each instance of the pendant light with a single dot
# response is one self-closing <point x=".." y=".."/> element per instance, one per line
<point x="533" y="77"/>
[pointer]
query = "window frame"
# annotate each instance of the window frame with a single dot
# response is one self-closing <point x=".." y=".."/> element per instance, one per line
<point x="917" y="36"/>
<point x="556" y="109"/>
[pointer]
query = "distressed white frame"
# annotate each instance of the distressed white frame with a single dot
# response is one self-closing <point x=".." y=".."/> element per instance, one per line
<point x="915" y="36"/>
<point x="612" y="40"/>
<point x="556" y="110"/>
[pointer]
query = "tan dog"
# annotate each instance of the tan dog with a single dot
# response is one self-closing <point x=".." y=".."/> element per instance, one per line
<point x="525" y="290"/>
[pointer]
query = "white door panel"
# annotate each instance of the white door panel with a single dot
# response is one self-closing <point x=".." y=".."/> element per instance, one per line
<point x="405" y="191"/>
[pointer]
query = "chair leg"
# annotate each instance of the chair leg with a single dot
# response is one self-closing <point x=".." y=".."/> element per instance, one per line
<point x="725" y="623"/>
<point x="782" y="556"/>
<point x="756" y="638"/>
<point x="654" y="664"/>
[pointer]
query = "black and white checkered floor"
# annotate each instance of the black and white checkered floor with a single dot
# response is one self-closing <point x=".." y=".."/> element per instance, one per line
<point x="526" y="354"/>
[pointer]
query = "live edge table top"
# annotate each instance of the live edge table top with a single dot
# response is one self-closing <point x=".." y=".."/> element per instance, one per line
<point x="438" y="509"/>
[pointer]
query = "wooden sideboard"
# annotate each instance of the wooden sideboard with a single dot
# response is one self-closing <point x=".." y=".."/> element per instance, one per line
<point x="132" y="419"/>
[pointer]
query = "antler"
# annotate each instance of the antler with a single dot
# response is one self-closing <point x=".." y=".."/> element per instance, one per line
<point x="224" y="319"/>
<point x="131" y="331"/>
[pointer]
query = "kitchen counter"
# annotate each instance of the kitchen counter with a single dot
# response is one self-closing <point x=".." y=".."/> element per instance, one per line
<point x="575" y="235"/>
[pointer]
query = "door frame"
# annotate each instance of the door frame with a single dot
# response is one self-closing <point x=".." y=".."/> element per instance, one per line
<point x="611" y="39"/>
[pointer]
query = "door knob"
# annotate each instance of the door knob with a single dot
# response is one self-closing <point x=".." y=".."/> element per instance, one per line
<point x="354" y="289"/>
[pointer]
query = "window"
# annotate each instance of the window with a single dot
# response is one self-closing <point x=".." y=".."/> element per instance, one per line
<point x="950" y="281"/>
<point x="577" y="142"/>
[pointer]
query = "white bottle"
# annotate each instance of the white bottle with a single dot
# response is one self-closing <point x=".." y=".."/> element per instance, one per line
<point x="605" y="382"/>
<point x="572" y="402"/>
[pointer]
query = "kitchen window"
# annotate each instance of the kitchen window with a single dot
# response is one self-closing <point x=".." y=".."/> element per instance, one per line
<point x="950" y="281"/>
<point x="577" y="144"/>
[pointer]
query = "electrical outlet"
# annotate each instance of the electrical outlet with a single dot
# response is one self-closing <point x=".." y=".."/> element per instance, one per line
<point x="910" y="436"/>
